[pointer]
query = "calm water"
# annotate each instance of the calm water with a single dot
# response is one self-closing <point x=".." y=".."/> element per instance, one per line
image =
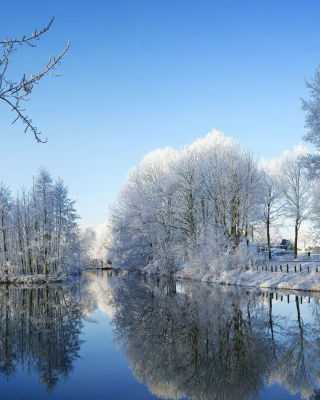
<point x="107" y="336"/>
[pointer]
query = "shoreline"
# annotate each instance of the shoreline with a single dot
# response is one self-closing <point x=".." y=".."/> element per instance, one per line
<point x="299" y="281"/>
<point x="34" y="279"/>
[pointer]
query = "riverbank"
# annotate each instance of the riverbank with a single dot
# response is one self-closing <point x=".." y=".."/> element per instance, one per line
<point x="34" y="279"/>
<point x="292" y="275"/>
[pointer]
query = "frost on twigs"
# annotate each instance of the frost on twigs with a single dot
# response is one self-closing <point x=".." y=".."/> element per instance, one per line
<point x="12" y="91"/>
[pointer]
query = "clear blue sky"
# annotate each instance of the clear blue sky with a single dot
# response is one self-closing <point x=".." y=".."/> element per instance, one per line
<point x="143" y="74"/>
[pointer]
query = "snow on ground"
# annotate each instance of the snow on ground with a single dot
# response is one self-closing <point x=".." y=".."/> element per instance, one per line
<point x="273" y="277"/>
<point x="266" y="279"/>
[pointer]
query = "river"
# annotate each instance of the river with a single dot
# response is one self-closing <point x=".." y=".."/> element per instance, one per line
<point x="105" y="335"/>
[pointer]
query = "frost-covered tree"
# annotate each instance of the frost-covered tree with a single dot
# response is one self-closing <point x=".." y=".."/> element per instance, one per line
<point x="15" y="92"/>
<point x="260" y="234"/>
<point x="43" y="190"/>
<point x="181" y="206"/>
<point x="104" y="240"/>
<point x="272" y="205"/>
<point x="312" y="109"/>
<point x="39" y="231"/>
<point x="5" y="226"/>
<point x="296" y="187"/>
<point x="307" y="236"/>
<point x="142" y="218"/>
<point x="97" y="242"/>
<point x="88" y="242"/>
<point x="230" y="183"/>
<point x="315" y="212"/>
<point x="312" y="123"/>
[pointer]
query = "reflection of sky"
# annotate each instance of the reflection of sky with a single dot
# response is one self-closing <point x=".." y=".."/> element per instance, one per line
<point x="101" y="373"/>
<point x="283" y="308"/>
<point x="276" y="392"/>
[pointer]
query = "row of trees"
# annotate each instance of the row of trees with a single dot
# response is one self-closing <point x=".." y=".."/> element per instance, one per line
<point x="204" y="201"/>
<point x="288" y="192"/>
<point x="38" y="229"/>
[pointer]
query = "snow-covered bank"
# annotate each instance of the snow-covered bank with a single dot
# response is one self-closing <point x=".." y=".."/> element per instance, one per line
<point x="264" y="279"/>
<point x="34" y="279"/>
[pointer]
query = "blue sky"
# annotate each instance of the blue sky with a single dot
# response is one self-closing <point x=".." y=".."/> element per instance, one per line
<point x="153" y="73"/>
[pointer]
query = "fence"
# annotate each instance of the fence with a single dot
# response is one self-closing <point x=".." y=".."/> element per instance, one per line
<point x="286" y="268"/>
<point x="285" y="297"/>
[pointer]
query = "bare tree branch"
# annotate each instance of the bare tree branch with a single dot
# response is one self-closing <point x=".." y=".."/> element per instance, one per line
<point x="13" y="92"/>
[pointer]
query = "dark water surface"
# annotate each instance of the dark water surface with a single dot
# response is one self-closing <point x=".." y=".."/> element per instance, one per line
<point x="110" y="336"/>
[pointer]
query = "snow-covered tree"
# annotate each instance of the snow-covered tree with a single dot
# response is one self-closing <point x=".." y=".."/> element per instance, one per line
<point x="315" y="210"/>
<point x="296" y="187"/>
<point x="260" y="234"/>
<point x="272" y="205"/>
<point x="178" y="206"/>
<point x="103" y="242"/>
<point x="307" y="237"/>
<point x="5" y="227"/>
<point x="38" y="230"/>
<point x="141" y="218"/>
<point x="312" y="123"/>
<point x="312" y="109"/>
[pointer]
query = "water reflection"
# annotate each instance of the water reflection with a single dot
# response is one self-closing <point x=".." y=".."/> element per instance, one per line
<point x="39" y="331"/>
<point x="181" y="339"/>
<point x="192" y="340"/>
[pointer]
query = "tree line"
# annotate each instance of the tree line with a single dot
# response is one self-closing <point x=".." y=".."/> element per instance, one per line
<point x="38" y="229"/>
<point x="207" y="201"/>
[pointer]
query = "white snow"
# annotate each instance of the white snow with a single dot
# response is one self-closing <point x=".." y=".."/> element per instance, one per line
<point x="300" y="280"/>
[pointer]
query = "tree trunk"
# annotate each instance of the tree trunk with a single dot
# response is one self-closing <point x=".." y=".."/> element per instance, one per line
<point x="268" y="238"/>
<point x="5" y="249"/>
<point x="296" y="230"/>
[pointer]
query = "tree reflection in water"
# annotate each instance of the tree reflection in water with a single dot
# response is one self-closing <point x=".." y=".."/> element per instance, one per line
<point x="181" y="339"/>
<point x="201" y="342"/>
<point x="39" y="330"/>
